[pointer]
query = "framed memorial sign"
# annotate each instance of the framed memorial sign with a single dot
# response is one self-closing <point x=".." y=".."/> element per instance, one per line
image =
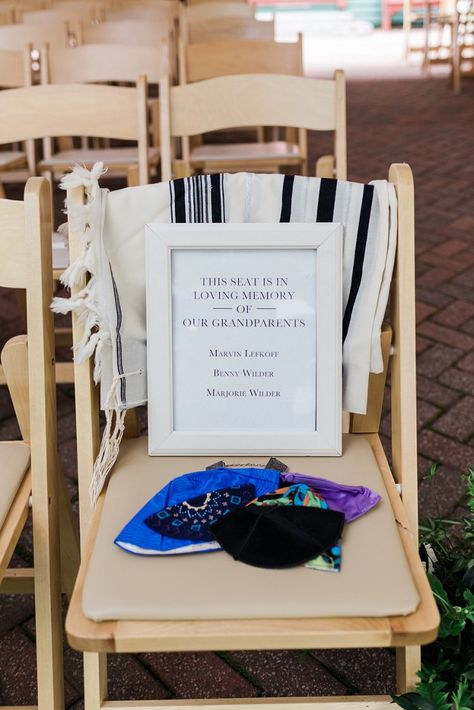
<point x="244" y="338"/>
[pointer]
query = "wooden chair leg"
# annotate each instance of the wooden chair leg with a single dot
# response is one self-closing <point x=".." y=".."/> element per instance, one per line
<point x="70" y="556"/>
<point x="408" y="665"/>
<point x="95" y="680"/>
<point x="49" y="623"/>
<point x="2" y="191"/>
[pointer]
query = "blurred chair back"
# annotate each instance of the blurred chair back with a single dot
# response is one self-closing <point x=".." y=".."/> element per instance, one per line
<point x="210" y="10"/>
<point x="252" y="100"/>
<point x="74" y="14"/>
<point x="206" y="60"/>
<point x="17" y="36"/>
<point x="220" y="26"/>
<point x="103" y="63"/>
<point x="123" y="32"/>
<point x="78" y="110"/>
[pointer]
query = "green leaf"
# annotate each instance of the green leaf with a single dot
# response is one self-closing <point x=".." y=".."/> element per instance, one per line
<point x="413" y="701"/>
<point x="463" y="696"/>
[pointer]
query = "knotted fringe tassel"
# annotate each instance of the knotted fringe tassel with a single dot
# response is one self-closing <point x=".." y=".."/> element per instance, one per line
<point x="84" y="219"/>
<point x="111" y="438"/>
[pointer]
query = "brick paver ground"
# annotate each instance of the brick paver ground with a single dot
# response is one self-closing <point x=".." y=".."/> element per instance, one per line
<point x="419" y="122"/>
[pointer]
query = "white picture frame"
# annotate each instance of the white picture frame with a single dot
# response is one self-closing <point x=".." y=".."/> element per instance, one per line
<point x="185" y="414"/>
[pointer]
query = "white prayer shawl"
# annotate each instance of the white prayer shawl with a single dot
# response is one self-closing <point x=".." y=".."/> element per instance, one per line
<point x="112" y="306"/>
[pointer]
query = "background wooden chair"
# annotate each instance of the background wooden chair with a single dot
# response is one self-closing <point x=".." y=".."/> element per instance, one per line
<point x="31" y="465"/>
<point x="61" y="13"/>
<point x="223" y="27"/>
<point x="85" y="110"/>
<point x="102" y="63"/>
<point x="15" y="71"/>
<point x="209" y="10"/>
<point x="123" y="31"/>
<point x="252" y="100"/>
<point x="134" y="468"/>
<point x="463" y="44"/>
<point x="206" y="60"/>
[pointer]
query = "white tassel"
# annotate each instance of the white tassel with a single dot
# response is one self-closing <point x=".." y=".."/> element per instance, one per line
<point x="108" y="452"/>
<point x="111" y="438"/>
<point x="84" y="219"/>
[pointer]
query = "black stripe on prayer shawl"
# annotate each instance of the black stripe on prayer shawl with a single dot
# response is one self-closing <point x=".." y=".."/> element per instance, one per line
<point x="118" y="337"/>
<point x="326" y="200"/>
<point x="206" y="197"/>
<point x="172" y="212"/>
<point x="286" y="197"/>
<point x="179" y="200"/>
<point x="224" y="216"/>
<point x="361" y="242"/>
<point x="216" y="202"/>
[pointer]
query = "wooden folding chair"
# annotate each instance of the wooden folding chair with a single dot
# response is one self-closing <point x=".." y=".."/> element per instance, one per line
<point x="80" y="110"/>
<point x="83" y="110"/>
<point x="31" y="465"/>
<point x="15" y="71"/>
<point x="206" y="60"/>
<point x="158" y="610"/>
<point x="252" y="100"/>
<point x="102" y="63"/>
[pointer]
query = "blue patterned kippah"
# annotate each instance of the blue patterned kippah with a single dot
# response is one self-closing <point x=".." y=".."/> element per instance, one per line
<point x="191" y="519"/>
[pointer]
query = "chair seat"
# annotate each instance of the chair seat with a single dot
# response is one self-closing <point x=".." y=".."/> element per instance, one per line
<point x="10" y="159"/>
<point x="375" y="580"/>
<point x="113" y="158"/>
<point x="273" y="151"/>
<point x="14" y="463"/>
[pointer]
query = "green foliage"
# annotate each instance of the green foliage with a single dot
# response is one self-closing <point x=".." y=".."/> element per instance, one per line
<point x="447" y="673"/>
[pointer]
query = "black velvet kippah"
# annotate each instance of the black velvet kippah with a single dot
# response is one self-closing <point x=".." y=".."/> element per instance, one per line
<point x="278" y="536"/>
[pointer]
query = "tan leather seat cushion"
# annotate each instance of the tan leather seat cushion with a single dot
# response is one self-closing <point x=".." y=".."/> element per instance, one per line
<point x="375" y="579"/>
<point x="14" y="463"/>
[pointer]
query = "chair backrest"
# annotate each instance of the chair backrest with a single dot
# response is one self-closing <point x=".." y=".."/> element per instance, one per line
<point x="253" y="100"/>
<point x="222" y="27"/>
<point x="17" y="36"/>
<point x="123" y="32"/>
<point x="78" y="110"/>
<point x="170" y="7"/>
<point x="15" y="68"/>
<point x="209" y="10"/>
<point x="103" y="63"/>
<point x="56" y="15"/>
<point x="149" y="13"/>
<point x="206" y="60"/>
